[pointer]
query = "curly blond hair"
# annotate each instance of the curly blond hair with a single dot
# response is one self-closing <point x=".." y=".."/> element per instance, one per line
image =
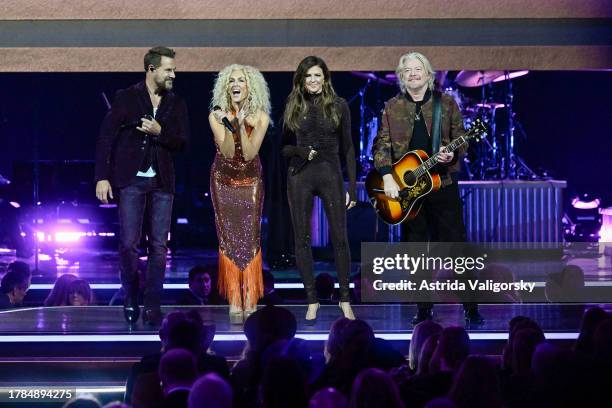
<point x="259" y="94"/>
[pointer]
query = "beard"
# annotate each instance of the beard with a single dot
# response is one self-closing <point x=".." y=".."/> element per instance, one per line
<point x="164" y="84"/>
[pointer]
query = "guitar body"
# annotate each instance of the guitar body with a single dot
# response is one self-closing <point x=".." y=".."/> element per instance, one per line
<point x="406" y="207"/>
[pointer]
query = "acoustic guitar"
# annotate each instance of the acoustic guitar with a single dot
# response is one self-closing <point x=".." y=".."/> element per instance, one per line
<point x="413" y="173"/>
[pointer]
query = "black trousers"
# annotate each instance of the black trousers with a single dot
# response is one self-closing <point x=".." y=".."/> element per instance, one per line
<point x="322" y="179"/>
<point x="134" y="201"/>
<point x="440" y="220"/>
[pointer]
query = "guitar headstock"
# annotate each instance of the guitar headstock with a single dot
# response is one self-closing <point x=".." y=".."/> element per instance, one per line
<point x="476" y="131"/>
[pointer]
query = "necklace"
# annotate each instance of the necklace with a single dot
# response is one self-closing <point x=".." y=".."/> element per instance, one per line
<point x="417" y="113"/>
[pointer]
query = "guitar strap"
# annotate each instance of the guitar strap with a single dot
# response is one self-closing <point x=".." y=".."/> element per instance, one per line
<point x="436" y="122"/>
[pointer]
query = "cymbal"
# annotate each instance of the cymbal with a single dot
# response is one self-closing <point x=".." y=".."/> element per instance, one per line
<point x="491" y="105"/>
<point x="511" y="75"/>
<point x="371" y="76"/>
<point x="470" y="79"/>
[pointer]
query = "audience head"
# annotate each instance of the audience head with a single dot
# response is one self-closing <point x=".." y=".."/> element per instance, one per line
<point x="184" y="330"/>
<point x="85" y="401"/>
<point x="476" y="384"/>
<point x="283" y="384"/>
<point x="523" y="346"/>
<point x="453" y="348"/>
<point x="328" y="398"/>
<point x="590" y="320"/>
<point x="426" y="362"/>
<point x="16" y="282"/>
<point x="324" y="284"/>
<point x="210" y="391"/>
<point x="549" y="361"/>
<point x="566" y="285"/>
<point x="332" y="346"/>
<point x="514" y="325"/>
<point x="177" y="368"/>
<point x="59" y="294"/>
<point x="374" y="388"/>
<point x="201" y="280"/>
<point x="19" y="266"/>
<point x="267" y="325"/>
<point x="356" y="340"/>
<point x="79" y="293"/>
<point x="421" y="332"/>
<point x="310" y="365"/>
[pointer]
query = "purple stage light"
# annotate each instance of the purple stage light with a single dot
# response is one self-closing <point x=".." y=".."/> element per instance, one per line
<point x="585" y="205"/>
<point x="15" y="204"/>
<point x="68" y="236"/>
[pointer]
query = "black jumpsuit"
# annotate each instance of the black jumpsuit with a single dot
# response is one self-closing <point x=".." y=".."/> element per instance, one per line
<point x="321" y="177"/>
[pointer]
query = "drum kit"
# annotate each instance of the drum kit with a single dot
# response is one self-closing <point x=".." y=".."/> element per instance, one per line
<point x="496" y="157"/>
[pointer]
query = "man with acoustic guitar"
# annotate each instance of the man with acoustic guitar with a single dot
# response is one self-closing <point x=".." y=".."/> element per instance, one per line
<point x="419" y="118"/>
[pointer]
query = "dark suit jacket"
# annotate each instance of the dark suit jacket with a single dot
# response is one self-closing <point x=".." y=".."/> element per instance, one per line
<point x="121" y="148"/>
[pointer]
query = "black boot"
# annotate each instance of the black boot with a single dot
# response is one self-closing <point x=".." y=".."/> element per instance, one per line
<point x="153" y="316"/>
<point x="131" y="310"/>
<point x="472" y="316"/>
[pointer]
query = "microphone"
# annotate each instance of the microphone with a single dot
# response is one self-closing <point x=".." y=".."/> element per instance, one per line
<point x="303" y="163"/>
<point x="225" y="121"/>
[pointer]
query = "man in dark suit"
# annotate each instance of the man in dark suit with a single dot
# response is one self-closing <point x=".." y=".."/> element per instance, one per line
<point x="145" y="125"/>
<point x="202" y="287"/>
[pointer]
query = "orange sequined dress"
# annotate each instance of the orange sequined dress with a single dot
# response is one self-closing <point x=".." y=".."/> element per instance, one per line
<point x="237" y="194"/>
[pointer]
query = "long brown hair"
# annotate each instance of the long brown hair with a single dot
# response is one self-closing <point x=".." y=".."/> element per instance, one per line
<point x="296" y="101"/>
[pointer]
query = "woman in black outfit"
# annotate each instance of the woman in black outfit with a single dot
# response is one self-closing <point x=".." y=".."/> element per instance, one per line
<point x="317" y="131"/>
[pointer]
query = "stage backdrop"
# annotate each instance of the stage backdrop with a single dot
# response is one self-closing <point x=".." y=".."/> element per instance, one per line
<point x="112" y="35"/>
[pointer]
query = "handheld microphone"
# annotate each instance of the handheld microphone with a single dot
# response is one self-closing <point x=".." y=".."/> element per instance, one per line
<point x="303" y="163"/>
<point x="225" y="121"/>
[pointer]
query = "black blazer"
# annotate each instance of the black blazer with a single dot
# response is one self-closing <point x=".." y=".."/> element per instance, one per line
<point x="120" y="148"/>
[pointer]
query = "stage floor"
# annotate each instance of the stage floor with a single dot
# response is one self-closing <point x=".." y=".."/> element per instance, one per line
<point x="391" y="321"/>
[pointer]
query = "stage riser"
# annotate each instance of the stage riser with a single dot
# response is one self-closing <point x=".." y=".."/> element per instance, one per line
<point x="494" y="211"/>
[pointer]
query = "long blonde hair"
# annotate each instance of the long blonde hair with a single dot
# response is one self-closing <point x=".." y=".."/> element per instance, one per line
<point x="259" y="94"/>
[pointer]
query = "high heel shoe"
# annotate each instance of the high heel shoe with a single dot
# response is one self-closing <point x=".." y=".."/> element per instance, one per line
<point x="248" y="309"/>
<point x="347" y="310"/>
<point x="236" y="314"/>
<point x="311" y="314"/>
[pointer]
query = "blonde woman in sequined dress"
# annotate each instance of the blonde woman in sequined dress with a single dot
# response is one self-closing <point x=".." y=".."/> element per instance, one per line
<point x="241" y="95"/>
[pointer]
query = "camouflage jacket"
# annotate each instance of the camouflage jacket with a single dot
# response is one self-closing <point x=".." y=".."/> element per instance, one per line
<point x="395" y="132"/>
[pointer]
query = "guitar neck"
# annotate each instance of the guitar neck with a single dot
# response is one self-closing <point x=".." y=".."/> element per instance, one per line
<point x="433" y="160"/>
